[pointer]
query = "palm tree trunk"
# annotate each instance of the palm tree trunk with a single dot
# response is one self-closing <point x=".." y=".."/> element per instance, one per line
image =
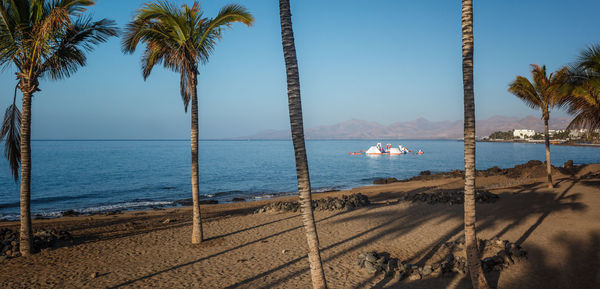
<point x="548" y="164"/>
<point x="26" y="235"/>
<point x="477" y="278"/>
<point x="297" y="128"/>
<point x="197" y="236"/>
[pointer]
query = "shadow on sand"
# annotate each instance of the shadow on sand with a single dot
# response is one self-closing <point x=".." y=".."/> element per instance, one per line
<point x="584" y="255"/>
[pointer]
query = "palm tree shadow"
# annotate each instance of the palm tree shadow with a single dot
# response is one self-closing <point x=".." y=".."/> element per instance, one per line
<point x="580" y="268"/>
<point x="129" y="282"/>
<point x="121" y="227"/>
<point x="393" y="223"/>
<point x="546" y="203"/>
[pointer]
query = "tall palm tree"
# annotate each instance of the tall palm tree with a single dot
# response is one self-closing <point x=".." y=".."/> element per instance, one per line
<point x="180" y="39"/>
<point x="40" y="39"/>
<point x="477" y="278"/>
<point x="297" y="128"/>
<point x="583" y="101"/>
<point x="546" y="92"/>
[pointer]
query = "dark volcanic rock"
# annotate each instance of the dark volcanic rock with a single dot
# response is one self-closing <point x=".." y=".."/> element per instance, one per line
<point x="189" y="202"/>
<point x="346" y="202"/>
<point x="452" y="197"/>
<point x="384" y="181"/>
<point x="9" y="241"/>
<point x="70" y="213"/>
<point x="185" y="202"/>
<point x="531" y="169"/>
<point x="448" y="259"/>
<point x="209" y="202"/>
<point x="374" y="262"/>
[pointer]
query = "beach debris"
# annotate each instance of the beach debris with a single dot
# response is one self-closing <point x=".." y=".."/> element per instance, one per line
<point x="284" y="251"/>
<point x="452" y="197"/>
<point x="449" y="258"/>
<point x="346" y="202"/>
<point x="94" y="275"/>
<point x="42" y="239"/>
<point x="167" y="220"/>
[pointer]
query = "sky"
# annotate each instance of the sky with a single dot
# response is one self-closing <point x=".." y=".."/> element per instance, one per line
<point x="383" y="61"/>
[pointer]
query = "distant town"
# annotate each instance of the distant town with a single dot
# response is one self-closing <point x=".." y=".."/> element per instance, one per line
<point x="556" y="136"/>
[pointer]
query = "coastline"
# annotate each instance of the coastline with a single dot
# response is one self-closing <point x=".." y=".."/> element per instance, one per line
<point x="243" y="249"/>
<point x="542" y="142"/>
<point x="210" y="200"/>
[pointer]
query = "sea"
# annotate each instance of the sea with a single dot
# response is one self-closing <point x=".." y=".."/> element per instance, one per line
<point x="94" y="176"/>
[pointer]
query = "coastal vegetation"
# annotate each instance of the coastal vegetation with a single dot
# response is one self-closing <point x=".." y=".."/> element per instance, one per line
<point x="505" y="135"/>
<point x="474" y="263"/>
<point x="297" y="129"/>
<point x="180" y="38"/>
<point x="41" y="40"/>
<point x="544" y="92"/>
<point x="508" y="135"/>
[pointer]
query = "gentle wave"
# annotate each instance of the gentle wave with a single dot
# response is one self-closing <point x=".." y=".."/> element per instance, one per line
<point x="48" y="200"/>
<point x="99" y="209"/>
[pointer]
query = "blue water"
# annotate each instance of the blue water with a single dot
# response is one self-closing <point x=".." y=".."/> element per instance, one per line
<point x="94" y="176"/>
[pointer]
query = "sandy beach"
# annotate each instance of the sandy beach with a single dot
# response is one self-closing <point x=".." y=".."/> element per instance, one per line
<point x="559" y="228"/>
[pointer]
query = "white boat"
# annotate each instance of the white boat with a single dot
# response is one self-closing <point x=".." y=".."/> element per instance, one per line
<point x="373" y="151"/>
<point x="388" y="150"/>
<point x="395" y="151"/>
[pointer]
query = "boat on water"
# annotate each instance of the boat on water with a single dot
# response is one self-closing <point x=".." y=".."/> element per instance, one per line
<point x="388" y="150"/>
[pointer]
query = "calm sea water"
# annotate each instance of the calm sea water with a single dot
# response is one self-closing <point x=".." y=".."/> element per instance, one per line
<point x="94" y="176"/>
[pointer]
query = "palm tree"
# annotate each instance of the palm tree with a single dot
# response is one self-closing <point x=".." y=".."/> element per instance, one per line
<point x="583" y="101"/>
<point x="180" y="39"/>
<point x="477" y="278"/>
<point x="40" y="39"/>
<point x="546" y="92"/>
<point x="297" y="128"/>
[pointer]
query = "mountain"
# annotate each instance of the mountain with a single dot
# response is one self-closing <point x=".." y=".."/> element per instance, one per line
<point x="417" y="129"/>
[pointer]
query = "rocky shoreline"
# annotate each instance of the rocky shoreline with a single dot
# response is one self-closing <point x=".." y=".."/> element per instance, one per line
<point x="42" y="239"/>
<point x="497" y="255"/>
<point x="345" y="202"/>
<point x="531" y="169"/>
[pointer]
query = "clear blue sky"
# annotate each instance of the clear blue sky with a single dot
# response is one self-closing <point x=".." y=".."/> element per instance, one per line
<point x="381" y="61"/>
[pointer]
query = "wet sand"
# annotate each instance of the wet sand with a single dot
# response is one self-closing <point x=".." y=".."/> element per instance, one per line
<point x="559" y="228"/>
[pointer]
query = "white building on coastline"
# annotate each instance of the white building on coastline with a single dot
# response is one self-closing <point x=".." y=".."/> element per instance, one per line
<point x="577" y="133"/>
<point x="552" y="132"/>
<point x="523" y="133"/>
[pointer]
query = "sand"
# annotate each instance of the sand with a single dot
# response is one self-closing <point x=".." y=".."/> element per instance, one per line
<point x="559" y="228"/>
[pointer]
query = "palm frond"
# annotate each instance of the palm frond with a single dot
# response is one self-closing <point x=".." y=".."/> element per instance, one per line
<point x="10" y="132"/>
<point x="213" y="28"/>
<point x="544" y="91"/>
<point x="74" y="7"/>
<point x="525" y="90"/>
<point x="78" y="37"/>
<point x="589" y="59"/>
<point x="178" y="38"/>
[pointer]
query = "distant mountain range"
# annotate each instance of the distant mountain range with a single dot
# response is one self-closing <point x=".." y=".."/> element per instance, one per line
<point x="417" y="129"/>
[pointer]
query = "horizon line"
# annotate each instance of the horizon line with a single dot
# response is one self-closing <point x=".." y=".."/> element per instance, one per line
<point x="242" y="139"/>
